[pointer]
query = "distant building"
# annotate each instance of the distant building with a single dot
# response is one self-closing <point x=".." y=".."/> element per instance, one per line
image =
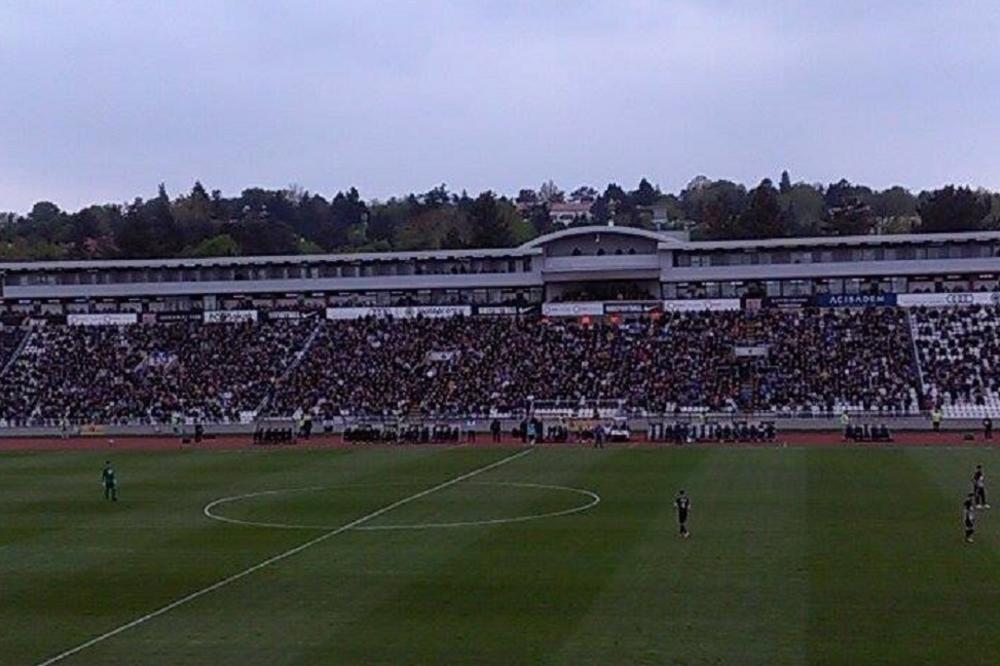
<point x="569" y="212"/>
<point x="658" y="215"/>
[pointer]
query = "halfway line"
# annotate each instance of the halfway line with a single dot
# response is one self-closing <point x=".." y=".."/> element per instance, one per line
<point x="277" y="558"/>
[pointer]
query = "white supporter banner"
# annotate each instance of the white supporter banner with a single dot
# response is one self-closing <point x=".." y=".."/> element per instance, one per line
<point x="961" y="299"/>
<point x="751" y="351"/>
<point x="103" y="319"/>
<point x="702" y="305"/>
<point x="284" y="314"/>
<point x="229" y="316"/>
<point x="429" y="311"/>
<point x="490" y="310"/>
<point x="581" y="309"/>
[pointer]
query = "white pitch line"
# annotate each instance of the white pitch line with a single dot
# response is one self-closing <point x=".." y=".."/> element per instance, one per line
<point x="277" y="558"/>
<point x="595" y="499"/>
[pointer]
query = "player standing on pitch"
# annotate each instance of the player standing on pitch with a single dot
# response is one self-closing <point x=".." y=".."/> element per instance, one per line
<point x="979" y="488"/>
<point x="969" y="517"/>
<point x="110" y="482"/>
<point x="683" y="504"/>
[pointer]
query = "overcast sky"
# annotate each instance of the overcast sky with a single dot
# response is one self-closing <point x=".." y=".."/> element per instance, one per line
<point x="100" y="101"/>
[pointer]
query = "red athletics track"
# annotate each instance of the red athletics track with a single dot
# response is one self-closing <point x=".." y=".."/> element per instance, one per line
<point x="234" y="442"/>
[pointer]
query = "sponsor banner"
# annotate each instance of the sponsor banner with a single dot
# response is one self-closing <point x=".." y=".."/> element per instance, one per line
<point x="167" y="317"/>
<point x="962" y="299"/>
<point x="751" y="351"/>
<point x="430" y="311"/>
<point x="639" y="307"/>
<point x="702" y="304"/>
<point x="284" y="314"/>
<point x="788" y="302"/>
<point x="855" y="300"/>
<point x="230" y="316"/>
<point x="495" y="310"/>
<point x="581" y="309"/>
<point x="103" y="319"/>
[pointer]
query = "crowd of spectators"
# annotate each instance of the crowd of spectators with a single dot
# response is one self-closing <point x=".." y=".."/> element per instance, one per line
<point x="832" y="360"/>
<point x="959" y="352"/>
<point x="814" y="361"/>
<point x="800" y="361"/>
<point x="148" y="373"/>
<point x="10" y="340"/>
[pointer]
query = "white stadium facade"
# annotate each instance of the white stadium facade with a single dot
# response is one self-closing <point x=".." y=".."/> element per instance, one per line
<point x="584" y="271"/>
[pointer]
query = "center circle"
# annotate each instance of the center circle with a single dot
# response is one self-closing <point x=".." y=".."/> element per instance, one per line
<point x="588" y="499"/>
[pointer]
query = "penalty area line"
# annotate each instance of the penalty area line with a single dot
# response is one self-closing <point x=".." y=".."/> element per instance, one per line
<point x="278" y="558"/>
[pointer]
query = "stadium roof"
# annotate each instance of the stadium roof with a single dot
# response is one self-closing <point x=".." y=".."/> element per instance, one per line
<point x="532" y="247"/>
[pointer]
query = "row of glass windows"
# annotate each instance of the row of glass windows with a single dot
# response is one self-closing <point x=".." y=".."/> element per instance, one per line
<point x="506" y="296"/>
<point x="898" y="285"/>
<point x="843" y="254"/>
<point x="291" y="272"/>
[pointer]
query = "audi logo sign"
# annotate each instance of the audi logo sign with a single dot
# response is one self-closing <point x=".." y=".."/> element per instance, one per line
<point x="962" y="299"/>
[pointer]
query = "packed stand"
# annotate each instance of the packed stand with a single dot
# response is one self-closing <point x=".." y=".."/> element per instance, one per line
<point x="816" y="362"/>
<point x="10" y="340"/>
<point x="147" y="373"/>
<point x="832" y="360"/>
<point x="422" y="369"/>
<point x="959" y="351"/>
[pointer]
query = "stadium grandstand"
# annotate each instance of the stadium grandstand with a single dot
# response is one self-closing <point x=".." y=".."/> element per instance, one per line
<point x="620" y="321"/>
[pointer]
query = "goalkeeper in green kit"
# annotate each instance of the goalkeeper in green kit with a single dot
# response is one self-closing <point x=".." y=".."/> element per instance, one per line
<point x="110" y="482"/>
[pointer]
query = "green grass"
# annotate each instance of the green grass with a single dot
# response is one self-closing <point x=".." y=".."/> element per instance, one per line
<point x="798" y="556"/>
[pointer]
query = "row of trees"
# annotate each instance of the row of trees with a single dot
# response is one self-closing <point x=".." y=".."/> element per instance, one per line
<point x="290" y="221"/>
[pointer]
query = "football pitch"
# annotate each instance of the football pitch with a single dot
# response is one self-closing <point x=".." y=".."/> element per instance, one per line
<point x="497" y="556"/>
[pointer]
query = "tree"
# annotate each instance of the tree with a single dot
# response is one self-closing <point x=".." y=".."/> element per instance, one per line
<point x="646" y="194"/>
<point x="805" y="207"/>
<point x="222" y="245"/>
<point x="452" y="239"/>
<point x="853" y="218"/>
<point x="193" y="216"/>
<point x="45" y="215"/>
<point x="785" y="186"/>
<point x="134" y="235"/>
<point x="540" y="218"/>
<point x="584" y="193"/>
<point x="161" y="228"/>
<point x="952" y="209"/>
<point x="894" y="202"/>
<point x="763" y="217"/>
<point x="258" y="235"/>
<point x="718" y="221"/>
<point x="725" y="198"/>
<point x="527" y="196"/>
<point x="844" y="193"/>
<point x="348" y="216"/>
<point x="549" y="192"/>
<point x="427" y="230"/>
<point x="492" y="226"/>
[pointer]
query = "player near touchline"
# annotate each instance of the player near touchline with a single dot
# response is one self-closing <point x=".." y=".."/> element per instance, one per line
<point x="110" y="482"/>
<point x="969" y="518"/>
<point x="979" y="488"/>
<point x="683" y="504"/>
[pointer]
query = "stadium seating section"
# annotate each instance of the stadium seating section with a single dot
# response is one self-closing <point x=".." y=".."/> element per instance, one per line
<point x="959" y="354"/>
<point x="888" y="361"/>
<point x="10" y="340"/>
